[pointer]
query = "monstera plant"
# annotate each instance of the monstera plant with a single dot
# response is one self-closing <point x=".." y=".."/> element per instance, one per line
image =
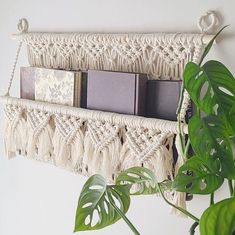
<point x="212" y="136"/>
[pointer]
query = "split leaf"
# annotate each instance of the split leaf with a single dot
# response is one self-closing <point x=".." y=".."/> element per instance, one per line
<point x="95" y="211"/>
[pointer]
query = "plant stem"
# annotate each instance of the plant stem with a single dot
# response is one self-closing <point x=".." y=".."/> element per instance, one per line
<point x="179" y="118"/>
<point x="234" y="189"/>
<point x="128" y="222"/>
<point x="186" y="148"/>
<point x="193" y="227"/>
<point x="177" y="207"/>
<point x="230" y="184"/>
<point x="180" y="100"/>
<point x="181" y="136"/>
<point x="212" y="202"/>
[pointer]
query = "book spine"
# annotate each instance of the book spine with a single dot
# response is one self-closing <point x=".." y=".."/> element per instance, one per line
<point x="140" y="101"/>
<point x="77" y="89"/>
<point x="84" y="90"/>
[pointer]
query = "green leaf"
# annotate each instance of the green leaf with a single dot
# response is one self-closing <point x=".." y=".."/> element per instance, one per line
<point x="217" y="82"/>
<point x="94" y="209"/>
<point x="198" y="176"/>
<point x="210" y="44"/>
<point x="219" y="219"/>
<point x="142" y="181"/>
<point x="209" y="137"/>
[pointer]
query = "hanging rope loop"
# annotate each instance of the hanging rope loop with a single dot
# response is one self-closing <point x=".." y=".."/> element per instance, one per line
<point x="208" y="21"/>
<point x="23" y="25"/>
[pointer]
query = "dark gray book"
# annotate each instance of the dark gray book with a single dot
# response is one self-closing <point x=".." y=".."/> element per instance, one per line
<point x="84" y="90"/>
<point x="163" y="98"/>
<point x="117" y="92"/>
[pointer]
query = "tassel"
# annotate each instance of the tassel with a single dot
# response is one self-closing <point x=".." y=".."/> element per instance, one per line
<point x="161" y="163"/>
<point x="44" y="144"/>
<point x="68" y="142"/>
<point x="15" y="137"/>
<point x="102" y="147"/>
<point x="150" y="150"/>
<point x="40" y="136"/>
<point x="128" y="159"/>
<point x="179" y="198"/>
<point x="159" y="160"/>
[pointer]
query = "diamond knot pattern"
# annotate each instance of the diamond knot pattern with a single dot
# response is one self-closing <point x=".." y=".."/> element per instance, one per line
<point x="143" y="143"/>
<point x="13" y="111"/>
<point x="94" y="50"/>
<point x="68" y="126"/>
<point x="129" y="52"/>
<point x="102" y="134"/>
<point x="38" y="120"/>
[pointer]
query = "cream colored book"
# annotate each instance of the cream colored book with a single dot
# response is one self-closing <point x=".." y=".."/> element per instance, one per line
<point x="58" y="86"/>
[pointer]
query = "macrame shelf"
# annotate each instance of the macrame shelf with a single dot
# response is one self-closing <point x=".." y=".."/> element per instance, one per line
<point x="87" y="141"/>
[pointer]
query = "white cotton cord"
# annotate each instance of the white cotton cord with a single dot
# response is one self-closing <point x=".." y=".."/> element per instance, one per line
<point x="14" y="68"/>
<point x="88" y="141"/>
<point x="206" y="26"/>
<point x="22" y="27"/>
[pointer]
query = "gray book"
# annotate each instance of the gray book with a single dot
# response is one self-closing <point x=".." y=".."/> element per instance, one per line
<point x="162" y="99"/>
<point x="27" y="83"/>
<point x="117" y="92"/>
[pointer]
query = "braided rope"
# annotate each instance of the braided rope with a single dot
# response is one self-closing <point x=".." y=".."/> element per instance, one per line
<point x="22" y="28"/>
<point x="14" y="68"/>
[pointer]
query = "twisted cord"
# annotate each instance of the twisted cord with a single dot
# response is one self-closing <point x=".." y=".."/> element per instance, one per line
<point x="22" y="27"/>
<point x="14" y="68"/>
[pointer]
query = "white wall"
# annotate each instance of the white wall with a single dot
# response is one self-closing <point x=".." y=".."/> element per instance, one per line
<point x="39" y="199"/>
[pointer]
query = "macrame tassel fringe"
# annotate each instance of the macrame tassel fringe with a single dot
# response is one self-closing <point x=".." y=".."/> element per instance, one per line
<point x="161" y="164"/>
<point x="179" y="198"/>
<point x="159" y="160"/>
<point x="40" y="141"/>
<point x="68" y="151"/>
<point x="100" y="159"/>
<point x="15" y="136"/>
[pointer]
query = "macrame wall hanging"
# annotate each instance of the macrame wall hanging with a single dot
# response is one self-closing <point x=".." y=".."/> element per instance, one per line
<point x="87" y="141"/>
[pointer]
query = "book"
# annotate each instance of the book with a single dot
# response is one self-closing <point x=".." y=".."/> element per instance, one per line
<point x="58" y="86"/>
<point x="163" y="98"/>
<point x="117" y="92"/>
<point x="27" y="83"/>
<point x="84" y="90"/>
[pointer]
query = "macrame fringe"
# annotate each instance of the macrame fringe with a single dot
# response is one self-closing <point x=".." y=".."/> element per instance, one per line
<point x="159" y="55"/>
<point x="160" y="161"/>
<point x="15" y="136"/>
<point x="68" y="151"/>
<point x="40" y="145"/>
<point x="179" y="198"/>
<point x="101" y="160"/>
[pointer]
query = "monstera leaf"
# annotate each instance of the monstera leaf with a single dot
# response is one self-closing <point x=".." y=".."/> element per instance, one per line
<point x="212" y="88"/>
<point x="95" y="210"/>
<point x="209" y="137"/>
<point x="219" y="219"/>
<point x="198" y="176"/>
<point x="143" y="181"/>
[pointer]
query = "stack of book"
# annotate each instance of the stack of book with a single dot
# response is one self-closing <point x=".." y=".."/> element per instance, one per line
<point x="126" y="93"/>
<point x="54" y="86"/>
